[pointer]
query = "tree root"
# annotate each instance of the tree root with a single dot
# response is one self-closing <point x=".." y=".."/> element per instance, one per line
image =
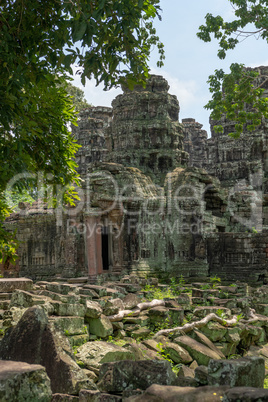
<point x="210" y="317"/>
<point x="197" y="324"/>
<point x="136" y="311"/>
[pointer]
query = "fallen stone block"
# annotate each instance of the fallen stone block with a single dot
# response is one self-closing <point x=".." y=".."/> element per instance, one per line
<point x="34" y="340"/>
<point x="246" y="394"/>
<point x="199" y="352"/>
<point x="118" y="376"/>
<point x="70" y="325"/>
<point x="247" y="371"/>
<point x="101" y="327"/>
<point x="203" y="311"/>
<point x="199" y="337"/>
<point x="21" y="381"/>
<point x="176" y="353"/>
<point x="67" y="309"/>
<point x="93" y="309"/>
<point x="160" y="393"/>
<point x="113" y="306"/>
<point x="94" y="354"/>
<point x="97" y="396"/>
<point x="130" y="301"/>
<point x="11" y="284"/>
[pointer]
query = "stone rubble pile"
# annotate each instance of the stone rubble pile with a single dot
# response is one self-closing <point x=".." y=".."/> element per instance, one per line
<point x="111" y="342"/>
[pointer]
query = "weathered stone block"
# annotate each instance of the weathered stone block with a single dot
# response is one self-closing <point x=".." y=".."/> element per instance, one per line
<point x="70" y="325"/>
<point x="93" y="309"/>
<point x="199" y="352"/>
<point x="66" y="309"/>
<point x="34" y="340"/>
<point x="11" y="284"/>
<point x="21" y="381"/>
<point x="247" y="371"/>
<point x="117" y="377"/>
<point x="94" y="354"/>
<point x="101" y="327"/>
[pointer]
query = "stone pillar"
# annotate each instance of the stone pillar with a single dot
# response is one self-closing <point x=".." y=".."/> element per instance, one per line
<point x="93" y="247"/>
<point x="99" y="247"/>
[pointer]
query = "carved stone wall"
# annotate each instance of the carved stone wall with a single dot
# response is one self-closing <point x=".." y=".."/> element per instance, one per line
<point x="48" y="248"/>
<point x="238" y="256"/>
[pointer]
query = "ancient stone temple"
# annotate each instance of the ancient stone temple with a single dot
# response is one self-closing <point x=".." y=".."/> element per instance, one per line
<point x="157" y="196"/>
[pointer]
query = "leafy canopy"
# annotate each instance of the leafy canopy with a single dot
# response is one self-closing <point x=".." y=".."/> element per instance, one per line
<point x="109" y="40"/>
<point x="78" y="97"/>
<point x="241" y="86"/>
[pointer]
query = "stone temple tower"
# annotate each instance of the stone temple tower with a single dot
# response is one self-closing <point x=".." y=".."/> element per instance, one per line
<point x="90" y="134"/>
<point x="145" y="131"/>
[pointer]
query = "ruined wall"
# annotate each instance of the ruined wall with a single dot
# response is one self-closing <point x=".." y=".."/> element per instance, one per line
<point x="238" y="256"/>
<point x="47" y="249"/>
<point x="229" y="159"/>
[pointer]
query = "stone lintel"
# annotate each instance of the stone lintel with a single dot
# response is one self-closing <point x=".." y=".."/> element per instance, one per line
<point x="11" y="284"/>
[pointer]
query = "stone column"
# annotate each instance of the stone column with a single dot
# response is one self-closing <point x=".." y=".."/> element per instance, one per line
<point x="99" y="247"/>
<point x="91" y="247"/>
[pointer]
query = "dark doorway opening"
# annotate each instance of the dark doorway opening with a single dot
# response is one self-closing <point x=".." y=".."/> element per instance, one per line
<point x="105" y="248"/>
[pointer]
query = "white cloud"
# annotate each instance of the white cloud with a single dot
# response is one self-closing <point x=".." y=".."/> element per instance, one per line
<point x="261" y="63"/>
<point x="186" y="91"/>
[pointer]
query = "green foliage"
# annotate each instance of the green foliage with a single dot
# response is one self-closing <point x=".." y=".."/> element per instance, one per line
<point x="153" y="292"/>
<point x="181" y="281"/>
<point x="220" y="313"/>
<point x="206" y="286"/>
<point x="239" y="317"/>
<point x="163" y="353"/>
<point x="77" y="95"/>
<point x="231" y="92"/>
<point x="81" y="364"/>
<point x="119" y="342"/>
<point x="13" y="198"/>
<point x="228" y="34"/>
<point x="234" y="356"/>
<point x="188" y="318"/>
<point x="174" y="285"/>
<point x="215" y="280"/>
<point x="116" y="38"/>
<point x="240" y="87"/>
<point x="265" y="384"/>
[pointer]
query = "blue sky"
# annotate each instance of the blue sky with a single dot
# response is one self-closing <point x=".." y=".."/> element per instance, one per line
<point x="189" y="61"/>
